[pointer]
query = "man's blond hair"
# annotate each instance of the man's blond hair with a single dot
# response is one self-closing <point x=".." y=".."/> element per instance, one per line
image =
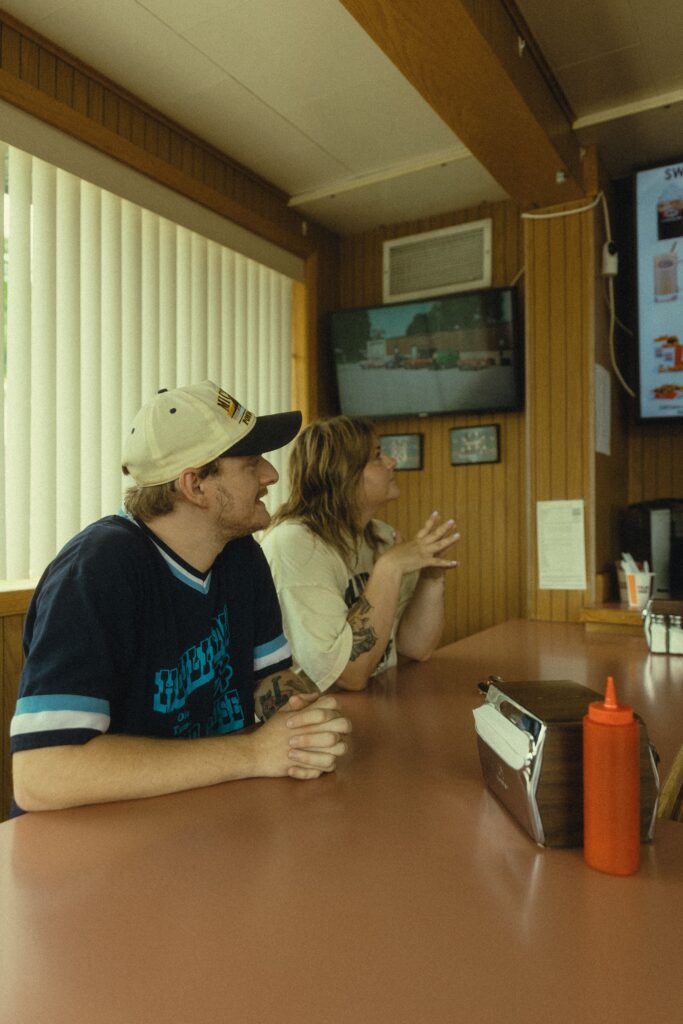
<point x="147" y="503"/>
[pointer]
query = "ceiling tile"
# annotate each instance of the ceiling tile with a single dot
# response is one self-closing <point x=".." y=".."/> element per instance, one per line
<point x="651" y="137"/>
<point x="578" y="30"/>
<point x="280" y="50"/>
<point x="457" y="186"/>
<point x="32" y="12"/>
<point x="597" y="84"/>
<point x="238" y="123"/>
<point x="130" y="46"/>
<point x="182" y="14"/>
<point x="662" y="42"/>
<point x="371" y="130"/>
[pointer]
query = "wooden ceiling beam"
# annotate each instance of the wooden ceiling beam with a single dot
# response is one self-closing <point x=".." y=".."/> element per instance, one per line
<point x="477" y="66"/>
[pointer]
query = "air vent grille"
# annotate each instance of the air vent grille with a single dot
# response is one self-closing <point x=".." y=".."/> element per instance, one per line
<point x="437" y="262"/>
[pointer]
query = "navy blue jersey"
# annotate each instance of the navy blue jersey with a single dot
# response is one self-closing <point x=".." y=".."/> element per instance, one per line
<point x="122" y="636"/>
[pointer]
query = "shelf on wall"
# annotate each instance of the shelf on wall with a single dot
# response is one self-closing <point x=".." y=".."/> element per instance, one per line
<point x="612" y="617"/>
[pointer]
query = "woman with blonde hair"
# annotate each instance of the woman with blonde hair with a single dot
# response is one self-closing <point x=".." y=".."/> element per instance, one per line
<point x="353" y="593"/>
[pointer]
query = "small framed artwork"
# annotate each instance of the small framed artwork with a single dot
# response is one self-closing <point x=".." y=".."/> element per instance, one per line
<point x="405" y="448"/>
<point x="475" y="445"/>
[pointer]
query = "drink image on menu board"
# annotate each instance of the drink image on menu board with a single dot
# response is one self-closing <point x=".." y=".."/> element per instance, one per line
<point x="666" y="276"/>
<point x="670" y="212"/>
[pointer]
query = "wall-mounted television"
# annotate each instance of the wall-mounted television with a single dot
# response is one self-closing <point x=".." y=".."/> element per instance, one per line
<point x="457" y="353"/>
<point x="658" y="193"/>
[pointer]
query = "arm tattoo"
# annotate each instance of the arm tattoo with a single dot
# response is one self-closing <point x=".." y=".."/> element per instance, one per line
<point x="269" y="700"/>
<point x="364" y="636"/>
<point x="274" y="692"/>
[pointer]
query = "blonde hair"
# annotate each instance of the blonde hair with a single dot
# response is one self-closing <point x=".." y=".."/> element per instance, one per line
<point x="147" y="503"/>
<point x="325" y="469"/>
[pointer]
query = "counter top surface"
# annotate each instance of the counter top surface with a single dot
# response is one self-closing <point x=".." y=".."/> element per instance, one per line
<point x="397" y="889"/>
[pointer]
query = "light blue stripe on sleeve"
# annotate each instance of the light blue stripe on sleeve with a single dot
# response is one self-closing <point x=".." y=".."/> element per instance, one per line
<point x="57" y="712"/>
<point x="61" y="702"/>
<point x="271" y="653"/>
<point x="264" y="649"/>
<point x="58" y="721"/>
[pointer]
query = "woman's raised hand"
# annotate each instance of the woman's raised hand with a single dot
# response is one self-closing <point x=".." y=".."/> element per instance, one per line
<point x="425" y="551"/>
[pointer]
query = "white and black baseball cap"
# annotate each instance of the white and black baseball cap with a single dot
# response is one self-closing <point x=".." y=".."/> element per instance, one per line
<point x="193" y="425"/>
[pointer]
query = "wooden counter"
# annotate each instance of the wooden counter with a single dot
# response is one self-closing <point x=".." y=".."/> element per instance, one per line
<point x="397" y="890"/>
<point x="612" y="617"/>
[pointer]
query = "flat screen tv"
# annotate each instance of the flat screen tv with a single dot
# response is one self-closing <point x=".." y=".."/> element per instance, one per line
<point x="658" y="193"/>
<point x="458" y="353"/>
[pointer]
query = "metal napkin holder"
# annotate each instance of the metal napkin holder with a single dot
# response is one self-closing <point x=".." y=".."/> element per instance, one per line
<point x="530" y="741"/>
<point x="663" y="624"/>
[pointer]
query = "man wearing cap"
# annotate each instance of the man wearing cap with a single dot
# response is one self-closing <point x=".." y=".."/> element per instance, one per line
<point x="156" y="634"/>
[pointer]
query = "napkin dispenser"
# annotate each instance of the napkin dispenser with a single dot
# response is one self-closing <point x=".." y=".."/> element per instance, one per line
<point x="530" y="741"/>
<point x="663" y="624"/>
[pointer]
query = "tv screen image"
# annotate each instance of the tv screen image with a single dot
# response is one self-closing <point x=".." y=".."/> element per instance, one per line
<point x="659" y="253"/>
<point x="450" y="354"/>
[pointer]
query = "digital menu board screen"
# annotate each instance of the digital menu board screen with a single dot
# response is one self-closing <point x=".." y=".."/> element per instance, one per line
<point x="659" y="253"/>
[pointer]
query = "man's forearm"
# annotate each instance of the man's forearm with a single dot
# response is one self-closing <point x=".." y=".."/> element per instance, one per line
<point x="303" y="740"/>
<point x="110" y="768"/>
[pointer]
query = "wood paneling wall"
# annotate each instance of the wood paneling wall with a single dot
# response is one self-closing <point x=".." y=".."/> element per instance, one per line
<point x="560" y="270"/>
<point x="567" y="335"/>
<point x="548" y="452"/>
<point x="489" y="502"/>
<point x="12" y="611"/>
<point x="655" y="464"/>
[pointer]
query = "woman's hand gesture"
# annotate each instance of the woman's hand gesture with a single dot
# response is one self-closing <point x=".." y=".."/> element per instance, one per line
<point x="425" y="551"/>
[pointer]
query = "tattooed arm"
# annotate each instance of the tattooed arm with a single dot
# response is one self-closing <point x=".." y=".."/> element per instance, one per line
<point x="274" y="691"/>
<point x="372" y="616"/>
<point x="364" y="636"/>
<point x="371" y="619"/>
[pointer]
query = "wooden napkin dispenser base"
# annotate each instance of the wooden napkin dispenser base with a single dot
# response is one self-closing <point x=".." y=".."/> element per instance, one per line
<point x="530" y="742"/>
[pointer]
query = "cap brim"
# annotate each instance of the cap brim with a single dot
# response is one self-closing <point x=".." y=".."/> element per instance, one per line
<point x="268" y="434"/>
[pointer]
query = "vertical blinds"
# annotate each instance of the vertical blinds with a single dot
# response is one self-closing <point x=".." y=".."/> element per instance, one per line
<point x="105" y="303"/>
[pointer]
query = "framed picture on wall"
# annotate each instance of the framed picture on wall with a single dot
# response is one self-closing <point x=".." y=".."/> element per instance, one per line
<point x="475" y="445"/>
<point x="405" y="448"/>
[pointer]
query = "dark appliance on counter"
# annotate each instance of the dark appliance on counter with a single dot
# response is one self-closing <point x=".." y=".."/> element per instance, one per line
<point x="652" y="531"/>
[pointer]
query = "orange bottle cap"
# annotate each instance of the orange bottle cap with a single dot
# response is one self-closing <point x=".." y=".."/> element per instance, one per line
<point x="609" y="712"/>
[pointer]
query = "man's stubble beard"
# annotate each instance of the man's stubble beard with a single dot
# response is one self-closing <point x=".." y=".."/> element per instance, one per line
<point x="226" y="528"/>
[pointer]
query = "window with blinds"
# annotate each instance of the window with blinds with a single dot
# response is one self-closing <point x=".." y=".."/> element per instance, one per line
<point x="105" y="302"/>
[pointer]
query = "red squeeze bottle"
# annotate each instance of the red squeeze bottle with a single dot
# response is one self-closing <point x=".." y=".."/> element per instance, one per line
<point x="611" y="786"/>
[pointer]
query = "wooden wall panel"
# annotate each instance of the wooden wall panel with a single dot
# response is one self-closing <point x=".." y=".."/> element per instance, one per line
<point x="561" y="352"/>
<point x="488" y="502"/>
<point x="655" y="468"/>
<point x="12" y="611"/>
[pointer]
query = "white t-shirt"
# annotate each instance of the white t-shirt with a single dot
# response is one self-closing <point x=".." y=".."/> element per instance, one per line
<point x="316" y="589"/>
